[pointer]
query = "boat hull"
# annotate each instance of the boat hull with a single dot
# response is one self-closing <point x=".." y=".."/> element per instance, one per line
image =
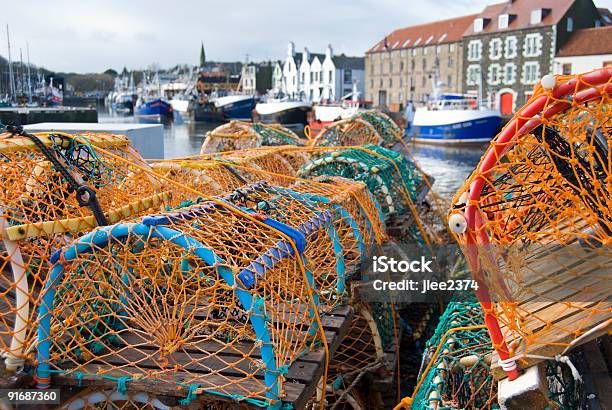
<point x="455" y="127"/>
<point x="296" y="117"/>
<point x="154" y="109"/>
<point x="238" y="110"/>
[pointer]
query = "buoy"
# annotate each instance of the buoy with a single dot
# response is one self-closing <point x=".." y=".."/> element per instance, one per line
<point x="548" y="81"/>
<point x="457" y="223"/>
<point x="462" y="199"/>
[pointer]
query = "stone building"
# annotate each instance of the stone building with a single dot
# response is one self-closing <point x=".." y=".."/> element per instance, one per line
<point x="511" y="45"/>
<point x="403" y="65"/>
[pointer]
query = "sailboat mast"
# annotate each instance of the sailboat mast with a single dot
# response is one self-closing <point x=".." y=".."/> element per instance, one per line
<point x="29" y="74"/>
<point x="10" y="64"/>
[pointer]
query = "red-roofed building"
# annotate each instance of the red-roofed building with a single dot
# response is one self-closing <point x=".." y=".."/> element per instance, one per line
<point x="587" y="49"/>
<point x="400" y="66"/>
<point x="511" y="45"/>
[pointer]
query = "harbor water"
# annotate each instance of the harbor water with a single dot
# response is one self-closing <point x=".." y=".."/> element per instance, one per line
<point x="450" y="166"/>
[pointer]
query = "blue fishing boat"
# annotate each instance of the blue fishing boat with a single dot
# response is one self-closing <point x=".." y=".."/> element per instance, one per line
<point x="454" y="119"/>
<point x="227" y="108"/>
<point x="154" y="109"/>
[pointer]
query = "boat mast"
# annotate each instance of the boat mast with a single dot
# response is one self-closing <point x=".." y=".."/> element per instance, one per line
<point x="29" y="74"/>
<point x="10" y="64"/>
<point x="479" y="105"/>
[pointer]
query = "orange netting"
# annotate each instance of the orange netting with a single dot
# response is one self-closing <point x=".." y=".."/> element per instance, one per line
<point x="40" y="211"/>
<point x="238" y="135"/>
<point x="534" y="220"/>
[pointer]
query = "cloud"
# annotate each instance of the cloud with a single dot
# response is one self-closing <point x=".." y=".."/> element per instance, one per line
<point x="93" y="35"/>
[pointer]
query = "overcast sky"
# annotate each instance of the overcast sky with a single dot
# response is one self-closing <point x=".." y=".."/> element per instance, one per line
<point x="93" y="35"/>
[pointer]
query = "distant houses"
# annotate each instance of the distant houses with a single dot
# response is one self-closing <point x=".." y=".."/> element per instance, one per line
<point x="500" y="53"/>
<point x="318" y="77"/>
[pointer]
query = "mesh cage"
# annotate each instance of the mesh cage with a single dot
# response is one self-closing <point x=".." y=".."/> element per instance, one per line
<point x="99" y="399"/>
<point x="534" y="221"/>
<point x="41" y="210"/>
<point x="237" y="135"/>
<point x="456" y="363"/>
<point x="388" y="130"/>
<point x="381" y="169"/>
<point x="349" y="132"/>
<point x="201" y="299"/>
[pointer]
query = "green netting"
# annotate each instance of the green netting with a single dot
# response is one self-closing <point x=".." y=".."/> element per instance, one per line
<point x="385" y="126"/>
<point x="390" y="177"/>
<point x="455" y="373"/>
<point x="277" y="135"/>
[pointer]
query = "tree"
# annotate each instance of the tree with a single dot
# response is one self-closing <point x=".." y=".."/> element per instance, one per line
<point x="110" y="72"/>
<point x="202" y="56"/>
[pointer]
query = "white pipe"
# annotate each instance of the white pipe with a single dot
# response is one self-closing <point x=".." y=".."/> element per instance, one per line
<point x="14" y="357"/>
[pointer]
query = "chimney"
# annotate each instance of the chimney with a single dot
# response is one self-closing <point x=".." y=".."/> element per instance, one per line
<point x="306" y="55"/>
<point x="329" y="52"/>
<point x="291" y="49"/>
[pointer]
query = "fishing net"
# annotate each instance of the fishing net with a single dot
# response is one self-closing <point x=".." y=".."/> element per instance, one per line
<point x="238" y="135"/>
<point x="456" y="364"/>
<point x="534" y="221"/>
<point x="388" y="130"/>
<point x="349" y="132"/>
<point x="54" y="186"/>
<point x="96" y="399"/>
<point x="201" y="300"/>
<point x="392" y="179"/>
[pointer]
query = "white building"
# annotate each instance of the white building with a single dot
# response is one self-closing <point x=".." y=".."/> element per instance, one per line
<point x="586" y="50"/>
<point x="319" y="77"/>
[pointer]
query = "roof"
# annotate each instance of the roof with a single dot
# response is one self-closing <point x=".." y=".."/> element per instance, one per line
<point x="521" y="9"/>
<point x="606" y="16"/>
<point x="588" y="41"/>
<point x="349" y="63"/>
<point x="320" y="56"/>
<point x="438" y="32"/>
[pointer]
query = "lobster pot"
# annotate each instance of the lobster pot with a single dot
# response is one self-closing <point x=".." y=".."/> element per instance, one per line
<point x="237" y="135"/>
<point x="349" y="132"/>
<point x="459" y="374"/>
<point x="388" y="130"/>
<point x="389" y="176"/>
<point x="316" y="217"/>
<point x="99" y="398"/>
<point x="202" y="298"/>
<point x="534" y="218"/>
<point x="41" y="211"/>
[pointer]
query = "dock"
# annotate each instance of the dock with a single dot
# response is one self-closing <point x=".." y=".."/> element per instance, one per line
<point x="31" y="115"/>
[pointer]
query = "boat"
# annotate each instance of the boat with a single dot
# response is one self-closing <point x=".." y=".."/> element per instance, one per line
<point x="449" y="118"/>
<point x="291" y="114"/>
<point x="154" y="109"/>
<point x="325" y="114"/>
<point x="124" y="103"/>
<point x="454" y="119"/>
<point x="226" y="108"/>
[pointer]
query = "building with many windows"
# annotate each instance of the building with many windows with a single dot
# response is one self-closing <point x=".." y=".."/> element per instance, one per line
<point x="511" y="45"/>
<point x="318" y="77"/>
<point x="403" y="65"/>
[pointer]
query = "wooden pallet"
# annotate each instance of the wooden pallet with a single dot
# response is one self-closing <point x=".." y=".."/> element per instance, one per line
<point x="301" y="378"/>
<point x="569" y="292"/>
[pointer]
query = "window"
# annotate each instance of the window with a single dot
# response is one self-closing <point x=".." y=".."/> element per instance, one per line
<point x="372" y="83"/>
<point x="401" y="96"/>
<point x="531" y="72"/>
<point x="390" y="67"/>
<point x="424" y="64"/>
<point x="382" y="68"/>
<point x="478" y="25"/>
<point x="495" y="49"/>
<point x="567" y="68"/>
<point x="510" y="49"/>
<point x="473" y="74"/>
<point x="449" y="81"/>
<point x="390" y="82"/>
<point x="303" y="77"/>
<point x="438" y="49"/>
<point x="509" y="73"/>
<point x="570" y="24"/>
<point x="348" y="76"/>
<point x="425" y="50"/>
<point x="494" y="76"/>
<point x="533" y="45"/>
<point x="450" y="61"/>
<point x="451" y="47"/>
<point x="474" y="50"/>
<point x="424" y="81"/>
<point x="401" y="66"/>
<point x="536" y="16"/>
<point x="414" y="50"/>
<point x="412" y="65"/>
<point x="401" y="82"/>
<point x="331" y="76"/>
<point x="381" y="82"/>
<point x="502" y="21"/>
